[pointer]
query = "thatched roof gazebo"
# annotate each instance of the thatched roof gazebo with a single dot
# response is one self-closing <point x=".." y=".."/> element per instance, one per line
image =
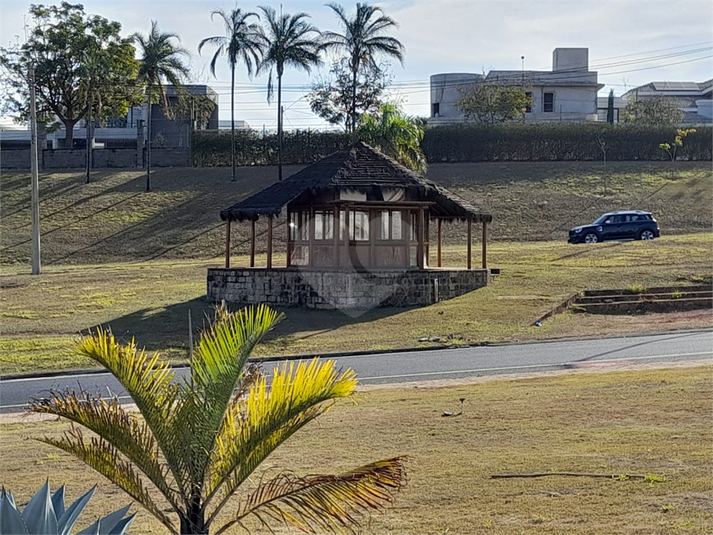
<point x="355" y="211"/>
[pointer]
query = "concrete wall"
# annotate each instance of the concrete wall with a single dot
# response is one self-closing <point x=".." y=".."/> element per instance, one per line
<point x="63" y="159"/>
<point x="103" y="158"/>
<point x="114" y="158"/>
<point x="15" y="159"/>
<point x="170" y="157"/>
<point x="340" y="289"/>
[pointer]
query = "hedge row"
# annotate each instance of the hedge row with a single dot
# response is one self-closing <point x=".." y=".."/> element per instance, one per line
<point x="466" y="143"/>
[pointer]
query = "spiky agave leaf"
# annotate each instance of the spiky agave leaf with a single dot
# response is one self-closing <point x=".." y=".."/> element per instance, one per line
<point x="255" y="427"/>
<point x="324" y="502"/>
<point x="11" y="522"/>
<point x="111" y="524"/>
<point x="68" y="517"/>
<point x="38" y="514"/>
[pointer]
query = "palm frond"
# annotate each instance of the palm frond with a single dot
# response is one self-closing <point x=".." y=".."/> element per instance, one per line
<point x="318" y="503"/>
<point x="105" y="459"/>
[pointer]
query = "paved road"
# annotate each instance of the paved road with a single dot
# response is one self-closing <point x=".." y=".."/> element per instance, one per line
<point x="437" y="364"/>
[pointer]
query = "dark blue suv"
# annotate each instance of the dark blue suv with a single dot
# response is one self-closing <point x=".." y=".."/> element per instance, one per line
<point x="625" y="225"/>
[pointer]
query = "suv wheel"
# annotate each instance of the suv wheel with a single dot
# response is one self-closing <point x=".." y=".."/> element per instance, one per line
<point x="646" y="234"/>
<point x="591" y="238"/>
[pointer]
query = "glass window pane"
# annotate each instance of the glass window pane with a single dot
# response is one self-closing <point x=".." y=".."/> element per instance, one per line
<point x="304" y="226"/>
<point x="318" y="226"/>
<point x="342" y="223"/>
<point x="293" y="225"/>
<point x="396" y="225"/>
<point x="361" y="226"/>
<point x="384" y="232"/>
<point x="329" y="225"/>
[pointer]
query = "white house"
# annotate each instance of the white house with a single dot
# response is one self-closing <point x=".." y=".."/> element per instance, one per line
<point x="567" y="93"/>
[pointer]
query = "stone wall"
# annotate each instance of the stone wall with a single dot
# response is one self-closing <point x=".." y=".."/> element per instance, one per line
<point x="341" y="289"/>
<point x="103" y="158"/>
<point x="15" y="158"/>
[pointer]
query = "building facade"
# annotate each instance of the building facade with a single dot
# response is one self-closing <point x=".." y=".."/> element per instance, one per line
<point x="694" y="99"/>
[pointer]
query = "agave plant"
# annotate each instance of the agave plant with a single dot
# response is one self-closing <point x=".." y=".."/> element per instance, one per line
<point x="199" y="440"/>
<point x="45" y="513"/>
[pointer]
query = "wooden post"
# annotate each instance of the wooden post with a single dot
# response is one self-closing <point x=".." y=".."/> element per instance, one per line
<point x="288" y="238"/>
<point x="485" y="246"/>
<point x="470" y="234"/>
<point x="227" y="243"/>
<point x="346" y="232"/>
<point x="335" y="232"/>
<point x="440" y="221"/>
<point x="419" y="235"/>
<point x="252" y="243"/>
<point x="310" y="235"/>
<point x="427" y="239"/>
<point x="269" y="241"/>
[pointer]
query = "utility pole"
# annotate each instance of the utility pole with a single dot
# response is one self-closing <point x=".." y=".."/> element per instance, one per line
<point x="35" y="179"/>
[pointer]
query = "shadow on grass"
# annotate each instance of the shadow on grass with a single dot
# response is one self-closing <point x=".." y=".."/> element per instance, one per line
<point x="166" y="329"/>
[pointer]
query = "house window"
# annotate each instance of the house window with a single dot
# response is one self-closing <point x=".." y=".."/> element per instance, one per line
<point x="435" y="109"/>
<point x="358" y="225"/>
<point x="390" y="225"/>
<point x="528" y="106"/>
<point x="323" y="225"/>
<point x="548" y="104"/>
<point x="299" y="226"/>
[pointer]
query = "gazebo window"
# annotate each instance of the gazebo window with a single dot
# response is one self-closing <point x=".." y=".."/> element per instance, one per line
<point x="390" y="228"/>
<point x="323" y="225"/>
<point x="358" y="225"/>
<point x="299" y="225"/>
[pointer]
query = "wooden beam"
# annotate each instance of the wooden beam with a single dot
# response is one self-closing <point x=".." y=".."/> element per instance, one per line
<point x="288" y="239"/>
<point x="335" y="235"/>
<point x="346" y="232"/>
<point x="427" y="240"/>
<point x="269" y="242"/>
<point x="470" y="235"/>
<point x="227" y="243"/>
<point x="252" y="243"/>
<point x="440" y="221"/>
<point x="419" y="235"/>
<point x="485" y="244"/>
<point x="310" y="236"/>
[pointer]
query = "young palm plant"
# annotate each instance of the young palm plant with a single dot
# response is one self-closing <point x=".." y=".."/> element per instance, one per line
<point x="288" y="40"/>
<point x="198" y="440"/>
<point x="160" y="60"/>
<point x="240" y="42"/>
<point x="362" y="41"/>
<point x="396" y="135"/>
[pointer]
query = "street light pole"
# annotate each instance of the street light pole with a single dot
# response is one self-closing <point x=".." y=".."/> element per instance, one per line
<point x="35" y="179"/>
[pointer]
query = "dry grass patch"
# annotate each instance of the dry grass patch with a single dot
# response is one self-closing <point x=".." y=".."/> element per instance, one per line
<point x="653" y="422"/>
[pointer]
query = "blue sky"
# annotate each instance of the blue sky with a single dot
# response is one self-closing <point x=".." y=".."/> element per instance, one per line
<point x="631" y="42"/>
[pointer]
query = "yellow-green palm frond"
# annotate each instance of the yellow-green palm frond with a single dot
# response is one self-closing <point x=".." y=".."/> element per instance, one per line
<point x="324" y="502"/>
<point x="129" y="435"/>
<point x="253" y="428"/>
<point x="105" y="459"/>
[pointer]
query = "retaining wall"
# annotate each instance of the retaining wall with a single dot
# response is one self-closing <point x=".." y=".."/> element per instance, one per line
<point x="341" y="289"/>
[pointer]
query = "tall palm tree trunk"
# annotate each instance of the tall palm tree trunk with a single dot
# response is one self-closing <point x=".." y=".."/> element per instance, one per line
<point x="232" y="121"/>
<point x="355" y="71"/>
<point x="148" y="140"/>
<point x="279" y="126"/>
<point x="194" y="523"/>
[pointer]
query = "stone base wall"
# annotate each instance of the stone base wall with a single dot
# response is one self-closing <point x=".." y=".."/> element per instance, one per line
<point x="102" y="158"/>
<point x="341" y="289"/>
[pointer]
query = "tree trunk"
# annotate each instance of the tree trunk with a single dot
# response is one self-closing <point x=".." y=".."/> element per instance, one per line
<point x="354" y="92"/>
<point x="232" y="121"/>
<point x="89" y="137"/>
<point x="148" y="140"/>
<point x="69" y="132"/>
<point x="279" y="126"/>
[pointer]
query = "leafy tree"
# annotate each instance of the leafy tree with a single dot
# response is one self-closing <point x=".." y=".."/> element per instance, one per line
<point x="241" y="42"/>
<point x="331" y="99"/>
<point x="396" y="135"/>
<point x="655" y="111"/>
<point x="287" y="40"/>
<point x="191" y="108"/>
<point x="65" y="45"/>
<point x="677" y="142"/>
<point x="363" y="41"/>
<point x="491" y="103"/>
<point x="199" y="440"/>
<point x="160" y="60"/>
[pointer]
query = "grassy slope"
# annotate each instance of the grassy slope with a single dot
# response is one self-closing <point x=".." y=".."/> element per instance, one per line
<point x="648" y="422"/>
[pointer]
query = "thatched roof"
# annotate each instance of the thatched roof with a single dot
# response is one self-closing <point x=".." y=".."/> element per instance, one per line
<point x="357" y="167"/>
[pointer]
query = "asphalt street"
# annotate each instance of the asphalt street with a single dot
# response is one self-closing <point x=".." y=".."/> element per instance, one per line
<point x="411" y="366"/>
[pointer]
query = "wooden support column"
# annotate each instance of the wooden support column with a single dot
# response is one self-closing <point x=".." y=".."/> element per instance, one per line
<point x="485" y="244"/>
<point x="335" y="232"/>
<point x="420" y="249"/>
<point x="288" y="239"/>
<point x="470" y="235"/>
<point x="427" y="239"/>
<point x="227" y="243"/>
<point x="269" y="241"/>
<point x="440" y="222"/>
<point x="252" y="243"/>
<point x="346" y="232"/>
<point x="310" y="235"/>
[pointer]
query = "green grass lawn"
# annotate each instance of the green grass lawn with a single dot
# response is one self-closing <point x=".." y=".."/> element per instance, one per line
<point x="41" y="316"/>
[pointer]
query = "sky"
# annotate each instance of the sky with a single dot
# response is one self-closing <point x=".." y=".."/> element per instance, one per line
<point x="630" y="42"/>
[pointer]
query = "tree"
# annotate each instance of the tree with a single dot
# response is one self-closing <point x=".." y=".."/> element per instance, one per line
<point x="671" y="148"/>
<point x="197" y="441"/>
<point x="292" y="41"/>
<point x="160" y="60"/>
<point x="610" y="107"/>
<point x="241" y="42"/>
<point x="491" y="103"/>
<point x="655" y="111"/>
<point x="331" y="99"/>
<point x="58" y="46"/>
<point x="362" y="41"/>
<point x="396" y="135"/>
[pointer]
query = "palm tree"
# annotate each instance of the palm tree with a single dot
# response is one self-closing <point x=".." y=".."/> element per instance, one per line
<point x="160" y="60"/>
<point x="396" y="135"/>
<point x="240" y="42"/>
<point x="363" y="40"/>
<point x="199" y="439"/>
<point x="292" y="41"/>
